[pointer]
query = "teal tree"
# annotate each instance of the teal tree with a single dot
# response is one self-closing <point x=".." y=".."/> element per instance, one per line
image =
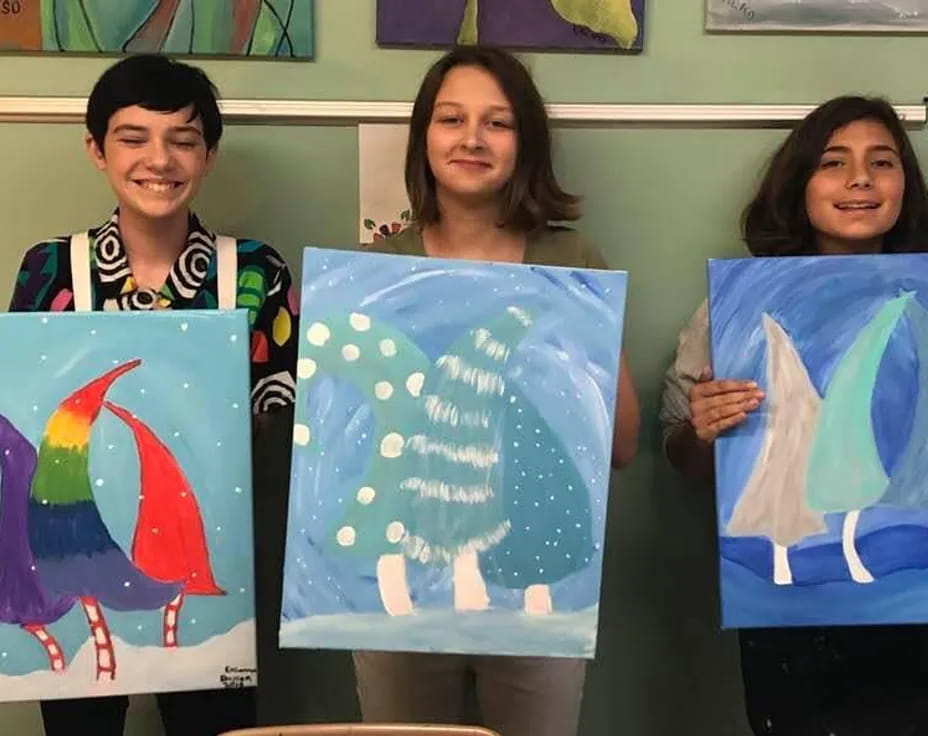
<point x="388" y="369"/>
<point x="463" y="472"/>
<point x="845" y="472"/>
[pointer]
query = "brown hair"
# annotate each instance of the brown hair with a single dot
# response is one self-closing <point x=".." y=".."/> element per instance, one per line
<point x="532" y="197"/>
<point x="776" y="223"/>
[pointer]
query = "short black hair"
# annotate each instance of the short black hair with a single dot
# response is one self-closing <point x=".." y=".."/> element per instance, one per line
<point x="155" y="82"/>
<point x="776" y="223"/>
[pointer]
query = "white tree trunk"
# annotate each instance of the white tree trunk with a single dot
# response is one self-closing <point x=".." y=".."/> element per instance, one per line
<point x="538" y="600"/>
<point x="859" y="573"/>
<point x="782" y="575"/>
<point x="391" y="580"/>
<point x="470" y="592"/>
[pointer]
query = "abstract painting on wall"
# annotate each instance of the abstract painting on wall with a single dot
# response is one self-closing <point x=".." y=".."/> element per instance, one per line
<point x="822" y="498"/>
<point x="581" y="25"/>
<point x="451" y="455"/>
<point x="125" y="505"/>
<point x="818" y="15"/>
<point x="261" y="28"/>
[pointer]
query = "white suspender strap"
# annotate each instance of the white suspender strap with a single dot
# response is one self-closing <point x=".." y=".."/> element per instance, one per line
<point x="226" y="271"/>
<point x="80" y="272"/>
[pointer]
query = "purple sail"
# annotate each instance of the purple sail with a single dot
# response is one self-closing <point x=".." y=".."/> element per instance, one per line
<point x="22" y="597"/>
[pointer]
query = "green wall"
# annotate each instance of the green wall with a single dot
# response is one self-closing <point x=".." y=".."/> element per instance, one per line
<point x="659" y="201"/>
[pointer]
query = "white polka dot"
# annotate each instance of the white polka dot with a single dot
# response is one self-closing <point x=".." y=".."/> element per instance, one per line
<point x="301" y="434"/>
<point x="414" y="383"/>
<point x="238" y="489"/>
<point x="351" y="353"/>
<point x="383" y="390"/>
<point x="126" y="584"/>
<point x="345" y="536"/>
<point x="305" y="368"/>
<point x="387" y="348"/>
<point x="233" y="338"/>
<point x="360" y="322"/>
<point x="99" y="482"/>
<point x="392" y="445"/>
<point x="395" y="531"/>
<point x="183" y="326"/>
<point x="318" y="334"/>
<point x="366" y="495"/>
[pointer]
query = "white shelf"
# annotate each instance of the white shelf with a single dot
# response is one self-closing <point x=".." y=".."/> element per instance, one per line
<point x="329" y="112"/>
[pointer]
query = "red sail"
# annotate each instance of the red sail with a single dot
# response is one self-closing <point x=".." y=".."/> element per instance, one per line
<point x="169" y="542"/>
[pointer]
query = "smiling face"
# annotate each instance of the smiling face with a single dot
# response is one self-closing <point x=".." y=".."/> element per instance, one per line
<point x="854" y="196"/>
<point x="155" y="161"/>
<point x="471" y="139"/>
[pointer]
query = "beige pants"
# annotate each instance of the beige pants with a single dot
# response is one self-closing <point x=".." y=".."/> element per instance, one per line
<point x="518" y="696"/>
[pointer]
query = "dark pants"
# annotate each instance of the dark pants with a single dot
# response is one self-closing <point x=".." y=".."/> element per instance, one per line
<point x="197" y="713"/>
<point x="850" y="681"/>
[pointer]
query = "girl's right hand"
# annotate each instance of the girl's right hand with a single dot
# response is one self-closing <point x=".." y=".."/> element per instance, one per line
<point x="719" y="405"/>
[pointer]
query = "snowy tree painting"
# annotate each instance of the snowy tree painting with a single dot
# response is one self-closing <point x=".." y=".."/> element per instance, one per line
<point x="822" y="500"/>
<point x="125" y="512"/>
<point x="817" y="15"/>
<point x="451" y="453"/>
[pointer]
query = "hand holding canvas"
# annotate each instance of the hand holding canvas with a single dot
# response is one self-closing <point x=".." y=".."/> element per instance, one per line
<point x="718" y="405"/>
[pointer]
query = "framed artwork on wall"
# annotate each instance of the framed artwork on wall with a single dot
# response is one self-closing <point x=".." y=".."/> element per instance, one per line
<point x="259" y="28"/>
<point x="578" y="25"/>
<point x="862" y="16"/>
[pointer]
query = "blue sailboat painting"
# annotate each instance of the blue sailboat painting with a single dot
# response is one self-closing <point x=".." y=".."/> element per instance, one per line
<point x="451" y="455"/>
<point x="822" y="492"/>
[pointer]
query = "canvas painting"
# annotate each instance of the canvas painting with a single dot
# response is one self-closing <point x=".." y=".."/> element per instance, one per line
<point x="452" y="442"/>
<point x="260" y="28"/>
<point x="384" y="206"/>
<point x="125" y="504"/>
<point x="822" y="493"/>
<point x="579" y="25"/>
<point x="818" y="15"/>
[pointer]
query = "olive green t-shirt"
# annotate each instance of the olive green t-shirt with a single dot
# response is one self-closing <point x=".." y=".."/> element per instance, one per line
<point x="554" y="246"/>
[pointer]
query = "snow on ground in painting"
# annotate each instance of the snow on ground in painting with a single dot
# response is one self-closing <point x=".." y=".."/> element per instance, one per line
<point x="225" y="660"/>
<point x="502" y="632"/>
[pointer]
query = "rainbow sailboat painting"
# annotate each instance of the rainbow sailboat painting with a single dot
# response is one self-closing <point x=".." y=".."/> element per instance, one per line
<point x="823" y="491"/>
<point x="125" y="511"/>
